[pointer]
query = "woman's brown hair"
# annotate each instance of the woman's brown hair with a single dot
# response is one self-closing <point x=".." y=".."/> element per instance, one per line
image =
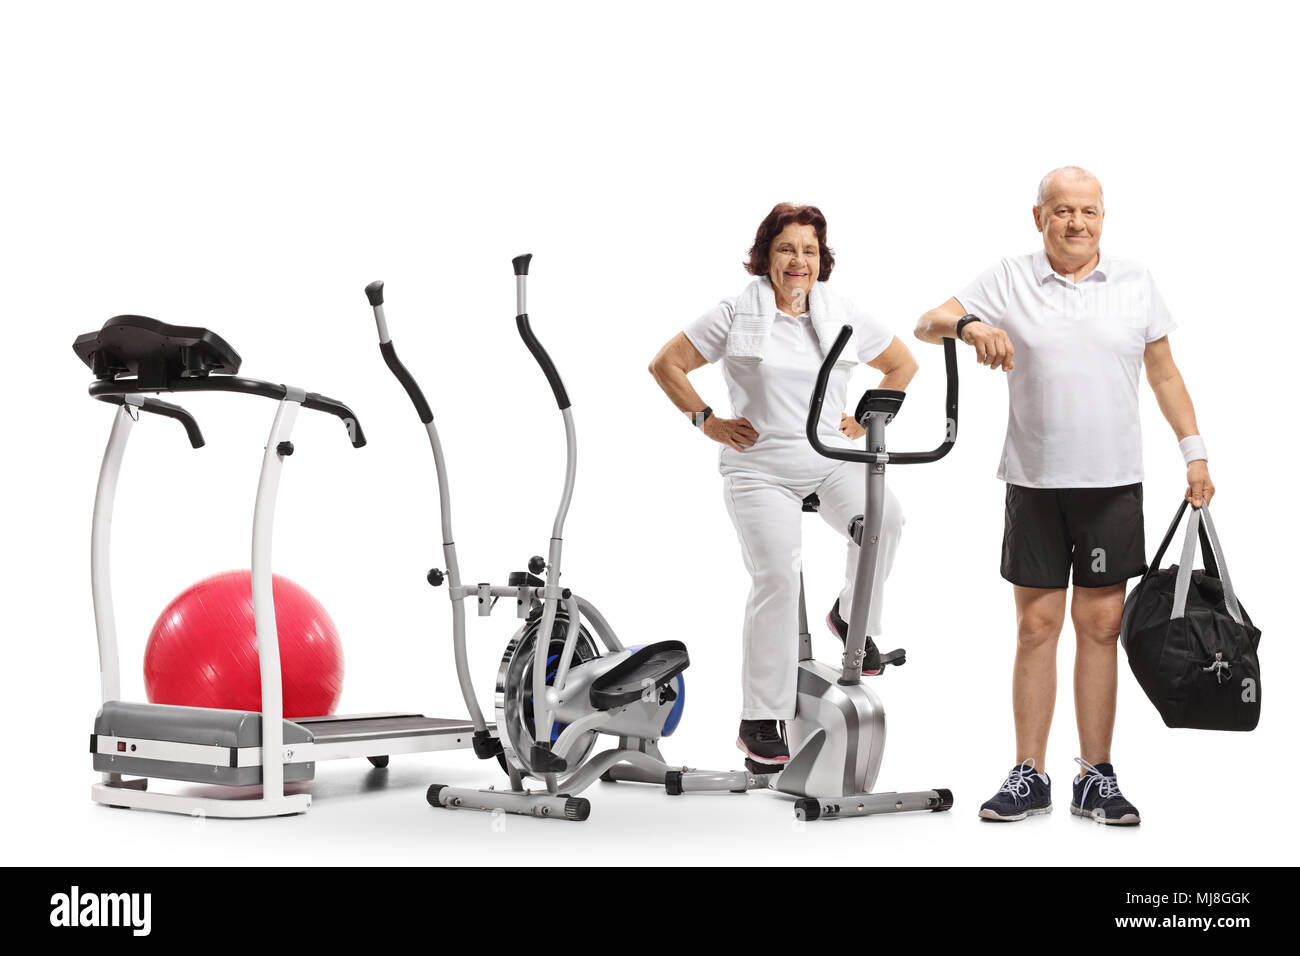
<point x="782" y="215"/>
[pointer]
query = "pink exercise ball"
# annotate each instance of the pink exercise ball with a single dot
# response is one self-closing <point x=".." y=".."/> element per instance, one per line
<point x="202" y="651"/>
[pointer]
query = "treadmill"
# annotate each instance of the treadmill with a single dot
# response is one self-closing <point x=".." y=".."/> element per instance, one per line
<point x="131" y="356"/>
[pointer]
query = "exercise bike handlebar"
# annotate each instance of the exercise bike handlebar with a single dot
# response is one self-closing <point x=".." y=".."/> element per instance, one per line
<point x="873" y="457"/>
<point x="530" y="338"/>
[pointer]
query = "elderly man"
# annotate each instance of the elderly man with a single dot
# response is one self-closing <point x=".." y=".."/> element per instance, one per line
<point x="1071" y="327"/>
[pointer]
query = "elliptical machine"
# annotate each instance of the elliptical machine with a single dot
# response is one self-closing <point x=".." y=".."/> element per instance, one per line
<point x="837" y="736"/>
<point x="555" y="694"/>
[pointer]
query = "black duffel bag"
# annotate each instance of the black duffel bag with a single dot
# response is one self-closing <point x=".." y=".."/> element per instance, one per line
<point x="1190" y="644"/>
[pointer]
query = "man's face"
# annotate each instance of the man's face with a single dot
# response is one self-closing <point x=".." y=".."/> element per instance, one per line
<point x="1070" y="220"/>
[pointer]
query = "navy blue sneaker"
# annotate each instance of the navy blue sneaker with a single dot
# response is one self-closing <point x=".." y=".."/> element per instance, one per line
<point x="1096" y="795"/>
<point x="1025" y="793"/>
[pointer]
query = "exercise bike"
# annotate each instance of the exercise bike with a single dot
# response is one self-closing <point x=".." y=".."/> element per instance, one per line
<point x="557" y="688"/>
<point x="837" y="736"/>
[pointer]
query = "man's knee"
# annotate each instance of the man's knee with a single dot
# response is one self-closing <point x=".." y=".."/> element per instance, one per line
<point x="1035" y="630"/>
<point x="1097" y="625"/>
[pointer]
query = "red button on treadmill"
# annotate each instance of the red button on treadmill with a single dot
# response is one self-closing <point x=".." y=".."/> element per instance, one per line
<point x="121" y="745"/>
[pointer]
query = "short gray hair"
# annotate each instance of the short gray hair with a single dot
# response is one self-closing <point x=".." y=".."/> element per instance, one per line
<point x="1074" y="172"/>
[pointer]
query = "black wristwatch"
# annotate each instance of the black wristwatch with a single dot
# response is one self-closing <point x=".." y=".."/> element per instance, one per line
<point x="700" y="417"/>
<point x="964" y="321"/>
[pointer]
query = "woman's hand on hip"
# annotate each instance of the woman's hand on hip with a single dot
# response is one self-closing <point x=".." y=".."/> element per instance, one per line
<point x="736" y="433"/>
<point x="850" y="428"/>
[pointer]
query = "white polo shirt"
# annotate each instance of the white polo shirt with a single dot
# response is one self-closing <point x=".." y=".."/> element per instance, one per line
<point x="1073" y="395"/>
<point x="773" y="394"/>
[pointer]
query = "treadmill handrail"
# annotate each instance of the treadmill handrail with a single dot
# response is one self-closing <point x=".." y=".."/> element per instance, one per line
<point x="880" y="457"/>
<point x="167" y="410"/>
<point x="235" y="383"/>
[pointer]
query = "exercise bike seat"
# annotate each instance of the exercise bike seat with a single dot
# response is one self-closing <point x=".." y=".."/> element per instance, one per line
<point x="154" y="351"/>
<point x="624" y="683"/>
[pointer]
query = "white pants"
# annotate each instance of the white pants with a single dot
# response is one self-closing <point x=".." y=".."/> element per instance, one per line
<point x="768" y="517"/>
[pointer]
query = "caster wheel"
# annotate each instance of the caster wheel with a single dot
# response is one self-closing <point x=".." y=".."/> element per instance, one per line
<point x="807" y="809"/>
<point x="432" y="794"/>
<point x="945" y="801"/>
<point x="577" y="809"/>
<point x="673" y="783"/>
<point x="380" y="762"/>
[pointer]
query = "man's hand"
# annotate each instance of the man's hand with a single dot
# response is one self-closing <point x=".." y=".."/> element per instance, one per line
<point x="1199" y="487"/>
<point x="736" y="433"/>
<point x="992" y="346"/>
<point x="850" y="428"/>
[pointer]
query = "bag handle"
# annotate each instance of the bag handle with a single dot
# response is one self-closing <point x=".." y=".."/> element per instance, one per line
<point x="1201" y="527"/>
<point x="1229" y="592"/>
<point x="1211" y="567"/>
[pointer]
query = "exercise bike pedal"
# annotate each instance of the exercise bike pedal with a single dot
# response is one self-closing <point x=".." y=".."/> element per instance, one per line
<point x="876" y="667"/>
<point x="897" y="657"/>
<point x="762" y="769"/>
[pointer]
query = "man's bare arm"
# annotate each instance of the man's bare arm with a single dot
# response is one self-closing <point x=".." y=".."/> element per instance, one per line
<point x="992" y="346"/>
<point x="1176" y="405"/>
<point x="941" y="323"/>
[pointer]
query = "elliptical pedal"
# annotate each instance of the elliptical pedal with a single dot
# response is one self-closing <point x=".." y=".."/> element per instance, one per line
<point x="653" y="665"/>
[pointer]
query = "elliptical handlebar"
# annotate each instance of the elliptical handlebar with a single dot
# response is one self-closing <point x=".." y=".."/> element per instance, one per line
<point x="375" y="295"/>
<point x="530" y="338"/>
<point x="871" y="457"/>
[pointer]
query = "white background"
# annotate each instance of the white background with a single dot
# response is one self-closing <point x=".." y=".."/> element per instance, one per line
<point x="249" y="167"/>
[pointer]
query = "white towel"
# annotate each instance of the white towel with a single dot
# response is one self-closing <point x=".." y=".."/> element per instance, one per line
<point x="755" y="312"/>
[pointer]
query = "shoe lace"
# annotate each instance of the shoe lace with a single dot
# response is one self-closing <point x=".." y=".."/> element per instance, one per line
<point x="1107" y="785"/>
<point x="770" y="732"/>
<point x="1017" y="783"/>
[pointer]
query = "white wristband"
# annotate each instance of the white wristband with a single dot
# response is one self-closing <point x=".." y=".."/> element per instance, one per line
<point x="1193" y="449"/>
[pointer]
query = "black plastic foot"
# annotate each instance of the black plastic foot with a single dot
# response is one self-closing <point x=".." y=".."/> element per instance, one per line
<point x="543" y="760"/>
<point x="673" y="783"/>
<point x="380" y="762"/>
<point x="485" y="745"/>
<point x="945" y="800"/>
<point x="806" y="808"/>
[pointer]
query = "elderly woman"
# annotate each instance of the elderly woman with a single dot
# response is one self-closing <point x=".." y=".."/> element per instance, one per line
<point x="771" y="340"/>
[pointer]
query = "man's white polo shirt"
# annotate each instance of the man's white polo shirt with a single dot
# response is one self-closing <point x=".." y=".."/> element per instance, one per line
<point x="1072" y="417"/>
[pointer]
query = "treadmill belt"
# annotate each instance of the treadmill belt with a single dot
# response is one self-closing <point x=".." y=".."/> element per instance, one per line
<point x="344" y="729"/>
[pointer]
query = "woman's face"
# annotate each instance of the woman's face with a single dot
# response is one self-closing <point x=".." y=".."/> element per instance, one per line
<point x="795" y="261"/>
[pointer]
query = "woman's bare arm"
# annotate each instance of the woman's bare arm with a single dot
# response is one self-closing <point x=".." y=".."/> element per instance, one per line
<point x="670" y="368"/>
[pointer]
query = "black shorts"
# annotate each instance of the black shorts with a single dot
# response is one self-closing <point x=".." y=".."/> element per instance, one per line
<point x="1096" y="531"/>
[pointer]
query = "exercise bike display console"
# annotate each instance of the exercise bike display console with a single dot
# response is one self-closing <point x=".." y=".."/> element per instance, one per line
<point x="131" y="355"/>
